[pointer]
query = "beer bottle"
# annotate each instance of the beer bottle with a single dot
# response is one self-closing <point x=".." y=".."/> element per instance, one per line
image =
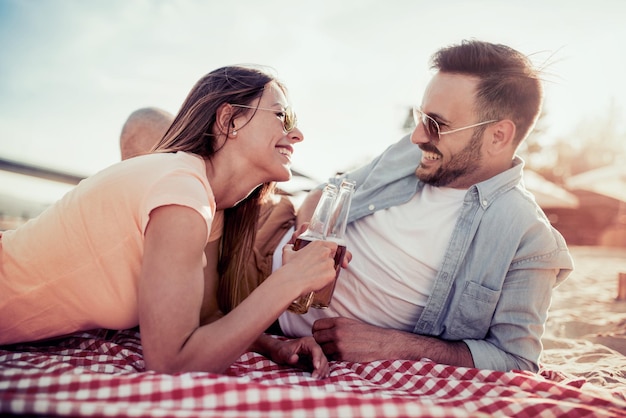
<point x="315" y="231"/>
<point x="335" y="231"/>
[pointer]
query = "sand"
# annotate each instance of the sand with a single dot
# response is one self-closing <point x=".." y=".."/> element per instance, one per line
<point x="586" y="329"/>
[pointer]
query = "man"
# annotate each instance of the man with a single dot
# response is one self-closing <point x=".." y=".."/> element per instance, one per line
<point x="452" y="259"/>
<point x="142" y="130"/>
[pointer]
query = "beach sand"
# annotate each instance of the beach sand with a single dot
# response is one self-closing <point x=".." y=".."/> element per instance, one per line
<point x="586" y="329"/>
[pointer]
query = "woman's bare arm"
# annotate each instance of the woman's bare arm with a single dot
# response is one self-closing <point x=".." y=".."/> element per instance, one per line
<point x="171" y="290"/>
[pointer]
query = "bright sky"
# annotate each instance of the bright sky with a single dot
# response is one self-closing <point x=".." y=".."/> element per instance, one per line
<point x="71" y="71"/>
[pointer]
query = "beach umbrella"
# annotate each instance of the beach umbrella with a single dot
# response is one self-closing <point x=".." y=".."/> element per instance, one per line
<point x="607" y="181"/>
<point x="548" y="194"/>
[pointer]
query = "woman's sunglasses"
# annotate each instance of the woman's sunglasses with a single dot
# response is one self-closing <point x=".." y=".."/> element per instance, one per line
<point x="432" y="127"/>
<point x="290" y="121"/>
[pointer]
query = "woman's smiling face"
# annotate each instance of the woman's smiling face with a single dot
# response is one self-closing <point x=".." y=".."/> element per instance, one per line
<point x="267" y="145"/>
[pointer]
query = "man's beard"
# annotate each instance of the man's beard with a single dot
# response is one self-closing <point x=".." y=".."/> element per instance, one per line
<point x="464" y="162"/>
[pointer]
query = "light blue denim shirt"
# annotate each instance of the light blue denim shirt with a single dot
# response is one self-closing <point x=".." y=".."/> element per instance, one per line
<point x="494" y="287"/>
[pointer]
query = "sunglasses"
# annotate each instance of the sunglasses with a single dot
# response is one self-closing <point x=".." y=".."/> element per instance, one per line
<point x="287" y="116"/>
<point x="432" y="127"/>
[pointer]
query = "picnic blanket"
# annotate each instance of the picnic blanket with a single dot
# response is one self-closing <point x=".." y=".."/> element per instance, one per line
<point x="101" y="373"/>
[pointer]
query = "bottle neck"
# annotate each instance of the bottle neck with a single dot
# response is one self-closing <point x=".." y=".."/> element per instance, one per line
<point x="321" y="215"/>
<point x="339" y="217"/>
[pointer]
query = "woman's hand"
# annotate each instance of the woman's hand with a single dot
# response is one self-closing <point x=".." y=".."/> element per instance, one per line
<point x="313" y="266"/>
<point x="303" y="353"/>
<point x="346" y="259"/>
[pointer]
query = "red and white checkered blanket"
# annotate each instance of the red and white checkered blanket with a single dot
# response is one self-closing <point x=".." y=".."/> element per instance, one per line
<point x="101" y="373"/>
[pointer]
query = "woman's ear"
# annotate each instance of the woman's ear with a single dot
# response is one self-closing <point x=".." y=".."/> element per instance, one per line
<point x="502" y="134"/>
<point x="224" y="121"/>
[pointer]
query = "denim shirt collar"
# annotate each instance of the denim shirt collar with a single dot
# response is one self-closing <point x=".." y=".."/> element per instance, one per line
<point x="486" y="192"/>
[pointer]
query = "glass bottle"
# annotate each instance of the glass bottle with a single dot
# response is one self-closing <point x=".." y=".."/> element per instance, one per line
<point x="314" y="232"/>
<point x="335" y="231"/>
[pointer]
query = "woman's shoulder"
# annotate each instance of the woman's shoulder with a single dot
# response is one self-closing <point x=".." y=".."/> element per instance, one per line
<point x="160" y="164"/>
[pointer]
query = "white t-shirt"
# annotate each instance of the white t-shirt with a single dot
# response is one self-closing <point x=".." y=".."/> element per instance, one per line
<point x="396" y="254"/>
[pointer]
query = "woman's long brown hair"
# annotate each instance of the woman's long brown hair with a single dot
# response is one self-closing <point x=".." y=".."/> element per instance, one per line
<point x="193" y="131"/>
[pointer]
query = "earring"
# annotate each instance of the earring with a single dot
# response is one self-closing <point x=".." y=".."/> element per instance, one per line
<point x="234" y="133"/>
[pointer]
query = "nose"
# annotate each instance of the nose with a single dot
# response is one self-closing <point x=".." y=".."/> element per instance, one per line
<point x="295" y="135"/>
<point x="418" y="136"/>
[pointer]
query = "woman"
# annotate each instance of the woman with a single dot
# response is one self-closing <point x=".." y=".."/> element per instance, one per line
<point x="128" y="246"/>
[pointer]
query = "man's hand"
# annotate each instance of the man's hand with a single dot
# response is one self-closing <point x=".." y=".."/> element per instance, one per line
<point x="351" y="340"/>
<point x="299" y="231"/>
<point x="303" y="353"/>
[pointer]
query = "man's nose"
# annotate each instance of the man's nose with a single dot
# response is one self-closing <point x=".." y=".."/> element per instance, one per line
<point x="418" y="136"/>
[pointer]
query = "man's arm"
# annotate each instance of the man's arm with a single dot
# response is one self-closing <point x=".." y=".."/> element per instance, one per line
<point x="512" y="342"/>
<point x="352" y="340"/>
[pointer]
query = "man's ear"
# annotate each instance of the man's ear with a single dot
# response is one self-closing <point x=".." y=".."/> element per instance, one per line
<point x="224" y="118"/>
<point x="502" y="134"/>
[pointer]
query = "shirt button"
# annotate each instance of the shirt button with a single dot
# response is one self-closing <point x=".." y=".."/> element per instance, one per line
<point x="485" y="203"/>
<point x="371" y="207"/>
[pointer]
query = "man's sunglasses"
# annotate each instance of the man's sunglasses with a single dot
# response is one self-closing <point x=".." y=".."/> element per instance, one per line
<point x="290" y="121"/>
<point x="432" y="127"/>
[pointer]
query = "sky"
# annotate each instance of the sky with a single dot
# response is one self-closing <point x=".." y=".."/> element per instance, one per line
<point x="71" y="71"/>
